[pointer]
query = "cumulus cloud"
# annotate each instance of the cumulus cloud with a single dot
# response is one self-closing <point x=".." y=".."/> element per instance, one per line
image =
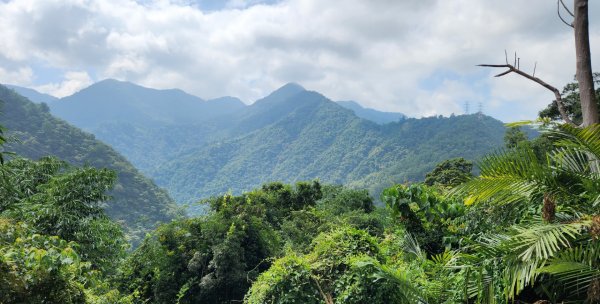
<point x="73" y="82"/>
<point x="376" y="52"/>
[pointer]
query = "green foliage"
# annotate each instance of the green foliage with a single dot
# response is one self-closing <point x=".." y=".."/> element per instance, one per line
<point x="513" y="136"/>
<point x="57" y="200"/>
<point x="211" y="258"/>
<point x="527" y="229"/>
<point x="289" y="280"/>
<point x="344" y="266"/>
<point x="450" y="173"/>
<point x="337" y="200"/>
<point x="136" y="202"/>
<point x="425" y="213"/>
<point x="37" y="268"/>
<point x="552" y="254"/>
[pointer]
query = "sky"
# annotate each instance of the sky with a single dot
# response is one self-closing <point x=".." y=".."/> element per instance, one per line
<point x="417" y="57"/>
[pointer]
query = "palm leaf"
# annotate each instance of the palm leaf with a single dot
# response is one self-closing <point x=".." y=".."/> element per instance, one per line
<point x="508" y="177"/>
<point x="526" y="249"/>
<point x="575" y="268"/>
<point x="543" y="241"/>
<point x="583" y="139"/>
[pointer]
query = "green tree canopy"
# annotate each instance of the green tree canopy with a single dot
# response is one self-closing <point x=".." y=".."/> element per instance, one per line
<point x="513" y="136"/>
<point x="450" y="173"/>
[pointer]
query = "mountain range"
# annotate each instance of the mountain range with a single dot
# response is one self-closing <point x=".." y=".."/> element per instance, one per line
<point x="137" y="202"/>
<point x="197" y="148"/>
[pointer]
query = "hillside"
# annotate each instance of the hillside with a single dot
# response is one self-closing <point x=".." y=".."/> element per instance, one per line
<point x="147" y="126"/>
<point x="292" y="134"/>
<point x="137" y="202"/>
<point x="295" y="135"/>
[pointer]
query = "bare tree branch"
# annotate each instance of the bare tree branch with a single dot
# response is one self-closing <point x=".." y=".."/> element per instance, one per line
<point x="566" y="8"/>
<point x="558" y="11"/>
<point x="558" y="100"/>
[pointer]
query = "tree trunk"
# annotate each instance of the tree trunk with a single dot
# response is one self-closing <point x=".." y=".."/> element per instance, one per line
<point x="587" y="94"/>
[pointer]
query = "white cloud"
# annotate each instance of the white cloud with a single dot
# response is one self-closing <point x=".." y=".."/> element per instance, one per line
<point x="16" y="75"/>
<point x="73" y="82"/>
<point x="377" y="52"/>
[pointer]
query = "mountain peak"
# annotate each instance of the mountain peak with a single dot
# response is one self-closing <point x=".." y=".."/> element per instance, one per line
<point x="283" y="93"/>
<point x="111" y="82"/>
<point x="292" y="86"/>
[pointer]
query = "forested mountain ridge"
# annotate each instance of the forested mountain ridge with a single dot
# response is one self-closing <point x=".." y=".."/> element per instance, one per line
<point x="291" y="134"/>
<point x="312" y="137"/>
<point x="146" y="125"/>
<point x="137" y="202"/>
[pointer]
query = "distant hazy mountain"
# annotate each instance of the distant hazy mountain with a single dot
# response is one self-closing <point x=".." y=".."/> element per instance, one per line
<point x="137" y="202"/>
<point x="32" y="95"/>
<point x="146" y="125"/>
<point x="293" y="134"/>
<point x="371" y="114"/>
<point x="110" y="101"/>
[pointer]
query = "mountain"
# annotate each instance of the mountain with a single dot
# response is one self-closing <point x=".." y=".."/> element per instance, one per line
<point x="371" y="114"/>
<point x="137" y="202"/>
<point x="32" y="95"/>
<point x="110" y="101"/>
<point x="295" y="134"/>
<point x="290" y="135"/>
<point x="147" y="126"/>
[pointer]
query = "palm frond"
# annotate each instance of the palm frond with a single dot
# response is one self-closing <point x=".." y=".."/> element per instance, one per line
<point x="584" y="139"/>
<point x="526" y="249"/>
<point x="521" y="163"/>
<point x="508" y="177"/>
<point x="411" y="246"/>
<point x="503" y="190"/>
<point x="575" y="268"/>
<point x="543" y="241"/>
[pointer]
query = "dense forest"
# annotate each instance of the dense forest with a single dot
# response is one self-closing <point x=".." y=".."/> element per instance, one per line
<point x="304" y="201"/>
<point x="136" y="202"/>
<point x="525" y="229"/>
<point x="196" y="148"/>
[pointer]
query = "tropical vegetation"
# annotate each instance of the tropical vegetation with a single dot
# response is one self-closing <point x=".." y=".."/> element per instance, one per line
<point x="525" y="228"/>
<point x="32" y="132"/>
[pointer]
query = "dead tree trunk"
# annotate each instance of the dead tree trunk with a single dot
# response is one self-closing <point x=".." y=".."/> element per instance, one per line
<point x="584" y="76"/>
<point x="587" y="94"/>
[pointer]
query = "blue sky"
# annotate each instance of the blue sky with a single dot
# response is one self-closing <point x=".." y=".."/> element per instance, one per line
<point x="412" y="56"/>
